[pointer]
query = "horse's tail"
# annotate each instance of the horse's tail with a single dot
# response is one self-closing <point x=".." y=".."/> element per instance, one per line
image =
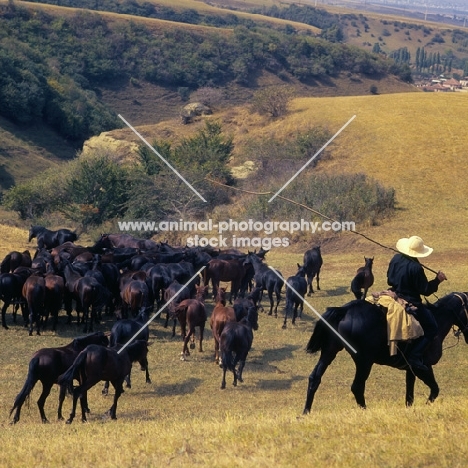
<point x="321" y="334"/>
<point x="31" y="380"/>
<point x="66" y="379"/>
<point x="226" y="348"/>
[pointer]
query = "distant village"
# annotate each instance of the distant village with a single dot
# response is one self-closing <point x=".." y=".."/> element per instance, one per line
<point x="444" y="85"/>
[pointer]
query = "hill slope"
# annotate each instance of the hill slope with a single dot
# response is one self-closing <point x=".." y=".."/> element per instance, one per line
<point x="413" y="142"/>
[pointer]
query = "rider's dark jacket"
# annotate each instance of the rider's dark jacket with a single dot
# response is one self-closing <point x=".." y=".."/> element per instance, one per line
<point x="406" y="277"/>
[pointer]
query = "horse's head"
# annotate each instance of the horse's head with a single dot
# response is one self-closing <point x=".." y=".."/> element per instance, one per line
<point x="463" y="314"/>
<point x="300" y="271"/>
<point x="32" y="232"/>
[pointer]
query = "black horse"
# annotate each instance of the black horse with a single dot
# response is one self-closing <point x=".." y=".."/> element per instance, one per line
<point x="47" y="365"/>
<point x="235" y="342"/>
<point x="363" y="325"/>
<point x="50" y="239"/>
<point x="363" y="279"/>
<point x="313" y="263"/>
<point x="267" y="280"/>
<point x="296" y="288"/>
<point x="96" y="363"/>
<point x="123" y="331"/>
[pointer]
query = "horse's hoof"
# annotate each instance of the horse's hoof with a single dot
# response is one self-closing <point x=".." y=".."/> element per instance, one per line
<point x="69" y="421"/>
<point x="192" y="345"/>
<point x="284" y="326"/>
<point x="223" y="386"/>
<point x="45" y="421"/>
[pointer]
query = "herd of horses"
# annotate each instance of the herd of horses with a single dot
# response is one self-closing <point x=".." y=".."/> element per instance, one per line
<point x="127" y="278"/>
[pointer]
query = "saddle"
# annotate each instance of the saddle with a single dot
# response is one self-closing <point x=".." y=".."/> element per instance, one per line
<point x="401" y="324"/>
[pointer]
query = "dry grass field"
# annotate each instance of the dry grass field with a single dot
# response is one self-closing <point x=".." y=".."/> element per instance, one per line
<point x="413" y="142"/>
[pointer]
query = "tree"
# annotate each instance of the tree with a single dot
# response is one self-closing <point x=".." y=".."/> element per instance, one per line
<point x="272" y="101"/>
<point x="97" y="191"/>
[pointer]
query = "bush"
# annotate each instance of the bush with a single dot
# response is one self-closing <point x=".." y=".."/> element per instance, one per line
<point x="272" y="101"/>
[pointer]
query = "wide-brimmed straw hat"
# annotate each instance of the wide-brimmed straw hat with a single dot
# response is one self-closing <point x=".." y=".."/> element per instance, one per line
<point x="413" y="246"/>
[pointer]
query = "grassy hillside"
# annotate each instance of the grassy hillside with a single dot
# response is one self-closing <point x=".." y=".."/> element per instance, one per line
<point x="413" y="142"/>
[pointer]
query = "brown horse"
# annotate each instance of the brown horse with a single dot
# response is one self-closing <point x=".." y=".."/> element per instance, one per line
<point x="221" y="315"/>
<point x="14" y="260"/>
<point x="96" y="363"/>
<point x="47" y="365"/>
<point x="135" y="296"/>
<point x="232" y="270"/>
<point x="182" y="292"/>
<point x="54" y="295"/>
<point x="191" y="313"/>
<point x="34" y="291"/>
<point x="363" y="280"/>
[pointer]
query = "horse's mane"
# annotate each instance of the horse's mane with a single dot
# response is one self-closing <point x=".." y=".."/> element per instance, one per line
<point x="443" y="301"/>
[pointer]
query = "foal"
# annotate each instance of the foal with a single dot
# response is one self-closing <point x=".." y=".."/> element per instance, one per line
<point x="363" y="280"/>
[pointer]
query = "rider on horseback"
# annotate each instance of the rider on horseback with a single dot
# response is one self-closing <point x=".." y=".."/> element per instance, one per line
<point x="406" y="277"/>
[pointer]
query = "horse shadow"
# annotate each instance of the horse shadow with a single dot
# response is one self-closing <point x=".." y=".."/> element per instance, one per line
<point x="272" y="355"/>
<point x="185" y="387"/>
<point x="338" y="291"/>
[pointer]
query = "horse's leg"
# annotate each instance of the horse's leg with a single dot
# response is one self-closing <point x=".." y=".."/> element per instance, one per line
<point x="202" y="330"/>
<point x="285" y="315"/>
<point x="148" y="379"/>
<point x="363" y="369"/>
<point x="62" y="394"/>
<point x="278" y="299"/>
<point x="85" y="318"/>
<point x="294" y="314"/>
<point x="31" y="321"/>
<point x="174" y="325"/>
<point x="84" y="406"/>
<point x="309" y="284"/>
<point x="46" y="387"/>
<point x="318" y="280"/>
<point x="270" y="297"/>
<point x="410" y="380"/>
<point x="128" y="380"/>
<point x="118" y="391"/>
<point x="315" y="378"/>
<point x="185" y="350"/>
<point x="76" y="392"/>
<point x="4" y="309"/>
<point x="223" y="381"/>
<point x="241" y="369"/>
<point x="105" y="390"/>
<point x="427" y="376"/>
